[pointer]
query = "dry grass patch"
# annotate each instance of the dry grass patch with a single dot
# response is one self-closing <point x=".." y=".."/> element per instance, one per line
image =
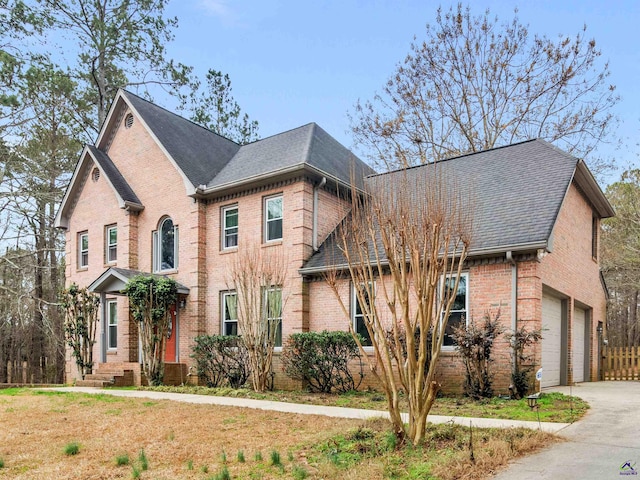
<point x="178" y="440"/>
<point x="37" y="427"/>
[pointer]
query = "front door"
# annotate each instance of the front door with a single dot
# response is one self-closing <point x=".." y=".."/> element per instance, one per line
<point x="170" y="352"/>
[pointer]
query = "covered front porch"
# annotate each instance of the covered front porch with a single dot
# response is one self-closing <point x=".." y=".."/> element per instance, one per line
<point x="118" y="351"/>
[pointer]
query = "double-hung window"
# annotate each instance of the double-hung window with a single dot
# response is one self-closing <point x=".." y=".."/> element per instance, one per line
<point x="83" y="250"/>
<point x="229" y="313"/>
<point x="111" y="244"/>
<point x="359" y="311"/>
<point x="230" y="227"/>
<point x="458" y="316"/>
<point x="273" y="307"/>
<point x="112" y="322"/>
<point x="165" y="246"/>
<point x="273" y="217"/>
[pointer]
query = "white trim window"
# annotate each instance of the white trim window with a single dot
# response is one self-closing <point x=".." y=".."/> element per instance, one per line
<point x="273" y="300"/>
<point x="459" y="309"/>
<point x="112" y="324"/>
<point x="165" y="246"/>
<point x="111" y="244"/>
<point x="273" y="218"/>
<point x="358" y="315"/>
<point x="229" y="313"/>
<point x="229" y="227"/>
<point x="83" y="250"/>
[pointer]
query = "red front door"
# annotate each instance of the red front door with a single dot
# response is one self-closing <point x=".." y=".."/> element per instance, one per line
<point x="170" y="352"/>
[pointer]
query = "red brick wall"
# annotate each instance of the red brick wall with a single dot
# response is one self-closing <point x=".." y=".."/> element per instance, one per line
<point x="571" y="271"/>
<point x="162" y="191"/>
<point x="489" y="290"/>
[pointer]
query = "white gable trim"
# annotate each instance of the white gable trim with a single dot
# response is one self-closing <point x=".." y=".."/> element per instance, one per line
<point x="79" y="178"/>
<point x="73" y="189"/>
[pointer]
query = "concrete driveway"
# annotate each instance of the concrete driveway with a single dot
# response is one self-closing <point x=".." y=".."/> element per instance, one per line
<point x="604" y="445"/>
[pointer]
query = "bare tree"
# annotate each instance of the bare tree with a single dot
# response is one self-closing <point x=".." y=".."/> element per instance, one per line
<point x="474" y="83"/>
<point x="404" y="245"/>
<point x="621" y="259"/>
<point x="258" y="279"/>
<point x="80" y="325"/>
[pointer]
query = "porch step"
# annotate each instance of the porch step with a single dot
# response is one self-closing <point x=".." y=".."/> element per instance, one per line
<point x="92" y="383"/>
<point x="106" y="378"/>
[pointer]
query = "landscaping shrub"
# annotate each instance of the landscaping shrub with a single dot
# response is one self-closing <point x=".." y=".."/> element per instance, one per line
<point x="522" y="375"/>
<point x="221" y="360"/>
<point x="321" y="360"/>
<point x="474" y="342"/>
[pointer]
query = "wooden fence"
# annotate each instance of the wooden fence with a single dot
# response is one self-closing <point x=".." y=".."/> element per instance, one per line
<point x="621" y="363"/>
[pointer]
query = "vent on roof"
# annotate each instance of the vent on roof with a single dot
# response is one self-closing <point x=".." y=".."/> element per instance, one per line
<point x="95" y="175"/>
<point x="128" y="120"/>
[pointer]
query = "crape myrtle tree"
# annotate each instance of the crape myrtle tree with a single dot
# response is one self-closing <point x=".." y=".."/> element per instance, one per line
<point x="258" y="279"/>
<point x="150" y="297"/>
<point x="474" y="83"/>
<point x="404" y="245"/>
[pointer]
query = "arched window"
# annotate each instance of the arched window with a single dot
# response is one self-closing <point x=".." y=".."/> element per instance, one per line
<point x="165" y="246"/>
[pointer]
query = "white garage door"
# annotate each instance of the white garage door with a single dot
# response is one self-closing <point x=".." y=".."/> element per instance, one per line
<point x="551" y="340"/>
<point x="579" y="328"/>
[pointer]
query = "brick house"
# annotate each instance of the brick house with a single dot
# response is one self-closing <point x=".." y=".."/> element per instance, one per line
<point x="159" y="194"/>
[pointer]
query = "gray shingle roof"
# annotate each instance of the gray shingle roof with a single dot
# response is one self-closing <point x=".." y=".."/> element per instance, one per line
<point x="199" y="152"/>
<point x="516" y="193"/>
<point x="115" y="177"/>
<point x="307" y="145"/>
<point x="212" y="160"/>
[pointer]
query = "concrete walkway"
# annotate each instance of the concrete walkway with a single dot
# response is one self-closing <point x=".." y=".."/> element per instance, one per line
<point x="304" y="409"/>
<point x="604" y="444"/>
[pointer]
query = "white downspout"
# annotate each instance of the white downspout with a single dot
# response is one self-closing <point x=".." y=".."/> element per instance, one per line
<point x="315" y="212"/>
<point x="514" y="304"/>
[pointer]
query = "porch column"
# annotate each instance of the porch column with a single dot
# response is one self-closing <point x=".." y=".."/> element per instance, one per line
<point x="103" y="327"/>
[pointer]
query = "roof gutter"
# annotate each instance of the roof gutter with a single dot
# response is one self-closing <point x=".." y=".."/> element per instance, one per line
<point x="203" y="190"/>
<point x="514" y="306"/>
<point x="487" y="252"/>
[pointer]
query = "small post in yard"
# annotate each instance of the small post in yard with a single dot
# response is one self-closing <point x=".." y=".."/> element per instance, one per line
<point x="539" y="380"/>
<point x="532" y="401"/>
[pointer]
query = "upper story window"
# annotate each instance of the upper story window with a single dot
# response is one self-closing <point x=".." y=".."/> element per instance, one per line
<point x="83" y="250"/>
<point x="165" y="246"/>
<point x="230" y="227"/>
<point x="229" y="313"/>
<point x="111" y="244"/>
<point x="359" y="314"/>
<point x="273" y="215"/>
<point x="458" y="315"/>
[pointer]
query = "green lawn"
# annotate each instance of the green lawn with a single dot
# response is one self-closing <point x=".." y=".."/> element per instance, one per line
<point x="554" y="407"/>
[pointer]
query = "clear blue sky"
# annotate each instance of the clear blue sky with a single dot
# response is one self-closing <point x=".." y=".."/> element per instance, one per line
<point x="292" y="62"/>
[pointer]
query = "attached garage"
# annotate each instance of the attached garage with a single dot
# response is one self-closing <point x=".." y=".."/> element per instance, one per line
<point x="578" y="344"/>
<point x="551" y="340"/>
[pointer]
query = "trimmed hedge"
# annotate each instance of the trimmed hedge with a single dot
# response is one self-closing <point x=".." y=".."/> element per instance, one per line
<point x="221" y="360"/>
<point x="321" y="360"/>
